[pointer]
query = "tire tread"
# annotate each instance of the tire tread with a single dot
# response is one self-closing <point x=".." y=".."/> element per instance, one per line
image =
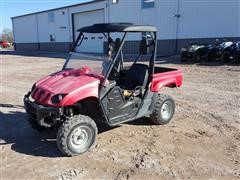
<point x="156" y="115"/>
<point x="66" y="127"/>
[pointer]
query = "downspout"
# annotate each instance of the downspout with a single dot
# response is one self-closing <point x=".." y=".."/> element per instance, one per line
<point x="70" y="40"/>
<point x="13" y="30"/>
<point x="177" y="25"/>
<point x="108" y="10"/>
<point x="38" y="43"/>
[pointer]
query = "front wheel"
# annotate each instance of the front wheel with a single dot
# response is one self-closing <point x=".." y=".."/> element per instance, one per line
<point x="197" y="58"/>
<point x="237" y="58"/>
<point x="226" y="57"/>
<point x="209" y="57"/>
<point x="183" y="58"/>
<point x="76" y="135"/>
<point x="164" y="110"/>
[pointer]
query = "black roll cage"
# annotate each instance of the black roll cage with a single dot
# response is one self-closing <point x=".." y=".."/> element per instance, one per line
<point x="153" y="43"/>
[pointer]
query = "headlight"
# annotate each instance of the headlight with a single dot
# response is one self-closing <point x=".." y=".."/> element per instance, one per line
<point x="56" y="99"/>
<point x="183" y="49"/>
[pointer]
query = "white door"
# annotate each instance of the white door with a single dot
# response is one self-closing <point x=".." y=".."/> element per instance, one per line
<point x="92" y="42"/>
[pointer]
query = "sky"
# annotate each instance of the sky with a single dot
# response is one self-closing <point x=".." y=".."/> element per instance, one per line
<point x="11" y="8"/>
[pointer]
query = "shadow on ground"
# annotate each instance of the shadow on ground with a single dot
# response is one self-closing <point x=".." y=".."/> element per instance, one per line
<point x="145" y="121"/>
<point x="15" y="130"/>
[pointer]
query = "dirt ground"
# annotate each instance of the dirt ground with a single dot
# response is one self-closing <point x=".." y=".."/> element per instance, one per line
<point x="202" y="141"/>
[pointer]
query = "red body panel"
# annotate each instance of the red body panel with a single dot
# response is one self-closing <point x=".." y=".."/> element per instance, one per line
<point x="75" y="84"/>
<point x="160" y="80"/>
<point x="80" y="84"/>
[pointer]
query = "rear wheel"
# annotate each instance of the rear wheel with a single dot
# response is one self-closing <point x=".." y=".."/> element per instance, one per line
<point x="197" y="58"/>
<point x="209" y="57"/>
<point x="226" y="57"/>
<point x="76" y="135"/>
<point x="237" y="58"/>
<point x="183" y="58"/>
<point x="164" y="110"/>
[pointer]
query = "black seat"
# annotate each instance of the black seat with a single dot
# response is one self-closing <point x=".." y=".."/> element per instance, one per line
<point x="136" y="76"/>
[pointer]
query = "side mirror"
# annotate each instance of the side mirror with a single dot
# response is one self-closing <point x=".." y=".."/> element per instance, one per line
<point x="143" y="46"/>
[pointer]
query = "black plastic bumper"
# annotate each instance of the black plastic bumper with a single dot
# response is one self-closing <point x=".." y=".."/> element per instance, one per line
<point x="39" y="112"/>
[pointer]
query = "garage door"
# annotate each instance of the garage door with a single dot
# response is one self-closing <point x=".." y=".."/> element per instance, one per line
<point x="92" y="42"/>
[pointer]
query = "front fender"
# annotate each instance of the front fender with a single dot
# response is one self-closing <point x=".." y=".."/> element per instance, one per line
<point x="79" y="95"/>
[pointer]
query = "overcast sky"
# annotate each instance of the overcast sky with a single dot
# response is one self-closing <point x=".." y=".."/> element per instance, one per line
<point x="11" y="8"/>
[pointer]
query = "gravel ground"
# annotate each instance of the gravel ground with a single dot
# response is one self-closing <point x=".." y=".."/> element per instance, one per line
<point x="202" y="141"/>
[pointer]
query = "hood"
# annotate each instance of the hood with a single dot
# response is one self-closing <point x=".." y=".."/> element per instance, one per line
<point x="63" y="82"/>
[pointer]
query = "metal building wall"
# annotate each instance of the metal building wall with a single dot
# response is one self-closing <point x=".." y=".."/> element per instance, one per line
<point x="37" y="28"/>
<point x="178" y="21"/>
<point x="25" y="32"/>
<point x="204" y="21"/>
<point x="59" y="29"/>
<point x="181" y="21"/>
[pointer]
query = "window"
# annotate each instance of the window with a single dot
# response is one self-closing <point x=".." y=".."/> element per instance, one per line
<point x="148" y="3"/>
<point x="52" y="38"/>
<point x="51" y="17"/>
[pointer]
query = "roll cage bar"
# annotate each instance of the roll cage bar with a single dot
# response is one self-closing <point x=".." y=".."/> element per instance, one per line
<point x="125" y="28"/>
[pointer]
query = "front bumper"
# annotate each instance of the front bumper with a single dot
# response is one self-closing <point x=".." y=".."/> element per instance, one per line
<point x="39" y="112"/>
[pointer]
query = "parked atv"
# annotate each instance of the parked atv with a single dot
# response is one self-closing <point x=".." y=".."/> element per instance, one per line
<point x="196" y="52"/>
<point x="230" y="51"/>
<point x="93" y="88"/>
<point x="236" y="52"/>
<point x="223" y="51"/>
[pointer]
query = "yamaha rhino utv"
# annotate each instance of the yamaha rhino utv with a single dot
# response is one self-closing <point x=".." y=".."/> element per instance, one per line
<point x="93" y="88"/>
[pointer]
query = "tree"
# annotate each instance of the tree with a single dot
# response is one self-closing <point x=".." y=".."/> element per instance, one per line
<point x="7" y="35"/>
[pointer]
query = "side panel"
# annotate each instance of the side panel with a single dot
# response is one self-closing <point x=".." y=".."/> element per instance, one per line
<point x="117" y="108"/>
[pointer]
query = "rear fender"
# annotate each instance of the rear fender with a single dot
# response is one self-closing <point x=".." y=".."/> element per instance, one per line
<point x="167" y="83"/>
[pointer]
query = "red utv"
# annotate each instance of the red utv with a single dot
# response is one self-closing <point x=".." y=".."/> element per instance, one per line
<point x="94" y="88"/>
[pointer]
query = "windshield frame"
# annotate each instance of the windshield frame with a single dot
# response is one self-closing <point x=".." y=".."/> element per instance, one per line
<point x="80" y="39"/>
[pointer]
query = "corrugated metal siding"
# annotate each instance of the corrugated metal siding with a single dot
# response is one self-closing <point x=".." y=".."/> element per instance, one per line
<point x="205" y="19"/>
<point x="200" y="19"/>
<point x="25" y="29"/>
<point x="59" y="28"/>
